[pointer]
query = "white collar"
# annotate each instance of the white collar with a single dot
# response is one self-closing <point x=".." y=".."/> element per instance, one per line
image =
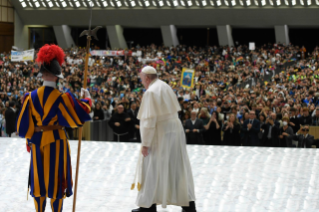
<point x="152" y="82"/>
<point x="49" y="84"/>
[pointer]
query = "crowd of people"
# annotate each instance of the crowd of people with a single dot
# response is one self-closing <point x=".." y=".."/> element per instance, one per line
<point x="217" y="111"/>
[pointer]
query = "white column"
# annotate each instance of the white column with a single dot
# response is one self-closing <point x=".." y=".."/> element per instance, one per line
<point x="116" y="37"/>
<point x="63" y="36"/>
<point x="282" y="34"/>
<point x="225" y="35"/>
<point x="169" y="34"/>
<point x="21" y="33"/>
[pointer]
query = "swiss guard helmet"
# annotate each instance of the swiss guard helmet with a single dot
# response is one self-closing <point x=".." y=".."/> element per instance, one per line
<point x="51" y="58"/>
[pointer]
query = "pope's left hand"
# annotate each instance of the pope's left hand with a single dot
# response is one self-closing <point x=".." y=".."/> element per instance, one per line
<point x="145" y="151"/>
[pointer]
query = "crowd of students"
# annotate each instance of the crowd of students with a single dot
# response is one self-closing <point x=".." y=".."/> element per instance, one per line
<point x="218" y="102"/>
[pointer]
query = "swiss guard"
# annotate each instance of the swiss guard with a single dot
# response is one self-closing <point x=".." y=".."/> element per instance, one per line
<point x="44" y="114"/>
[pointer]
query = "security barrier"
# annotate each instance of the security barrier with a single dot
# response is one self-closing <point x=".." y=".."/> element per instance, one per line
<point x="314" y="130"/>
<point x="96" y="131"/>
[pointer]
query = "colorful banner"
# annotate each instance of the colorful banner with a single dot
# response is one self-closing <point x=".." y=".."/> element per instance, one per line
<point x="187" y="79"/>
<point x="106" y="53"/>
<point x="27" y="55"/>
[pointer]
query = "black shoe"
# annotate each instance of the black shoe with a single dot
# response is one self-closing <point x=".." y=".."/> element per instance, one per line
<point x="190" y="208"/>
<point x="151" y="209"/>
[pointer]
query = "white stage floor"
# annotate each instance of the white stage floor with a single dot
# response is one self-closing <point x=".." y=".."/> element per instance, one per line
<point x="239" y="179"/>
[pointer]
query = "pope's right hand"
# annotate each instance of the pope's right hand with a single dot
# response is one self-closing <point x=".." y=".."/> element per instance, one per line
<point x="117" y="124"/>
<point x="145" y="151"/>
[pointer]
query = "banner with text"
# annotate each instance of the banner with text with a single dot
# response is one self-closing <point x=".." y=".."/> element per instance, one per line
<point x="27" y="55"/>
<point x="106" y="53"/>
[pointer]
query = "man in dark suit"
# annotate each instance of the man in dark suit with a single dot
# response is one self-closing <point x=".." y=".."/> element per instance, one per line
<point x="304" y="139"/>
<point x="120" y="123"/>
<point x="194" y="128"/>
<point x="134" y="129"/>
<point x="271" y="132"/>
<point x="305" y="119"/>
<point x="251" y="128"/>
<point x="294" y="121"/>
<point x="10" y="116"/>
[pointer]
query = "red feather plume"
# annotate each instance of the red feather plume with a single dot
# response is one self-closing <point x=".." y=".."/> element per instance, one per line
<point x="49" y="52"/>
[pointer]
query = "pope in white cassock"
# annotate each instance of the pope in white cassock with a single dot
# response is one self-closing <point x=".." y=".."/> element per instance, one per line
<point x="163" y="173"/>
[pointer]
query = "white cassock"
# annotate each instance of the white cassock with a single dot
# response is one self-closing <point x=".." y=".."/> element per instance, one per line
<point x="165" y="175"/>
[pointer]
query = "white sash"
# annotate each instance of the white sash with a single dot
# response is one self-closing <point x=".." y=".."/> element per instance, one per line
<point x="138" y="173"/>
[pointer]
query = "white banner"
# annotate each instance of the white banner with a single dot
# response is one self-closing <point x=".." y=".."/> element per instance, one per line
<point x="27" y="55"/>
<point x="251" y="46"/>
<point x="106" y="53"/>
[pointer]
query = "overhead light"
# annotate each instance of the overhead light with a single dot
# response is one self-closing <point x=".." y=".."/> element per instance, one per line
<point x="278" y="2"/>
<point x="256" y="2"/>
<point x="57" y="4"/>
<point x="263" y="2"/>
<point x="105" y="4"/>
<point x="317" y="2"/>
<point x="204" y="3"/>
<point x="309" y="2"/>
<point x="286" y="2"/>
<point x="271" y="2"/>
<point x="64" y="4"/>
<point x="241" y="2"/>
<point x="112" y="4"/>
<point x="248" y="2"/>
<point x="133" y="4"/>
<point x="197" y="3"/>
<point x="91" y="3"/>
<point x="21" y="0"/>
<point x="226" y="2"/>
<point x="182" y="3"/>
<point x="30" y="4"/>
<point x="118" y="3"/>
<point x="37" y="4"/>
<point x="23" y="4"/>
<point x="302" y="3"/>
<point x="126" y="4"/>
<point x="44" y="5"/>
<point x="98" y="4"/>
<point x="147" y="3"/>
<point x="168" y="3"/>
<point x="190" y="3"/>
<point x="71" y="4"/>
<point x="161" y="3"/>
<point x="84" y="4"/>
<point x="218" y="3"/>
<point x="233" y="2"/>
<point x="212" y="2"/>
<point x="140" y="3"/>
<point x="175" y="2"/>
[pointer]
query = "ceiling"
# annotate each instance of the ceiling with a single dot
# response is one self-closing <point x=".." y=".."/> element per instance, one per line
<point x="182" y="13"/>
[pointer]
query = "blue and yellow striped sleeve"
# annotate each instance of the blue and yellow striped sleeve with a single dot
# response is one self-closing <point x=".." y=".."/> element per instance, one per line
<point x="72" y="112"/>
<point x="25" y="124"/>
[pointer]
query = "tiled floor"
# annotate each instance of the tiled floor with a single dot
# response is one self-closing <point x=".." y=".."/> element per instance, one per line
<point x="227" y="178"/>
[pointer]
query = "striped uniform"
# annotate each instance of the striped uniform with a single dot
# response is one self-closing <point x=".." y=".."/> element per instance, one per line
<point x="50" y="170"/>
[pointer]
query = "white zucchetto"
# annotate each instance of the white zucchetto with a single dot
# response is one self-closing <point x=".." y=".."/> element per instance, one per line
<point x="149" y="70"/>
